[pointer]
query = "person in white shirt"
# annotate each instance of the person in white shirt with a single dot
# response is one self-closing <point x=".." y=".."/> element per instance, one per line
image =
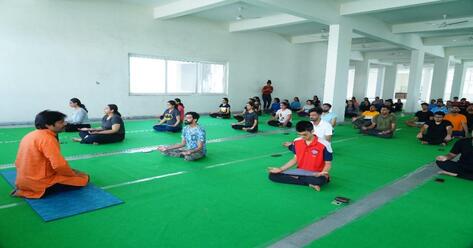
<point x="78" y="117"/>
<point x="327" y="115"/>
<point x="322" y="129"/>
<point x="283" y="117"/>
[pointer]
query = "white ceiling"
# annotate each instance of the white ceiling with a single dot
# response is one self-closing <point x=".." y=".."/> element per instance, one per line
<point x="229" y="13"/>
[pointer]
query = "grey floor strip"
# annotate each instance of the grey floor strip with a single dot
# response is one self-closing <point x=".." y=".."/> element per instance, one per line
<point x="149" y="148"/>
<point x="361" y="207"/>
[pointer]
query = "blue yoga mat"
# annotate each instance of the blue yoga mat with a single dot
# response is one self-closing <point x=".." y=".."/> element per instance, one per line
<point x="68" y="203"/>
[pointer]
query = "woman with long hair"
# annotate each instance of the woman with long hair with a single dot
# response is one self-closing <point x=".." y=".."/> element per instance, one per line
<point x="78" y="117"/>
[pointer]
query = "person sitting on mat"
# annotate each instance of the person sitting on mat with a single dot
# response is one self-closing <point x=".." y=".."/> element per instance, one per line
<point x="180" y="108"/>
<point x="365" y="118"/>
<point x="283" y="117"/>
<point x="40" y="166"/>
<point x="171" y="121"/>
<point x="462" y="168"/>
<point x="438" y="131"/>
<point x="192" y="146"/>
<point x="112" y="130"/>
<point x="313" y="158"/>
<point x="422" y="116"/>
<point x="383" y="125"/>
<point x="328" y="116"/>
<point x="296" y="104"/>
<point x="250" y="120"/>
<point x="78" y="117"/>
<point x="275" y="106"/>
<point x="459" y="122"/>
<point x="322" y="129"/>
<point x="257" y="108"/>
<point x="469" y="117"/>
<point x="350" y="109"/>
<point x="223" y="110"/>
<point x="439" y="106"/>
<point x="239" y="117"/>
<point x="304" y="111"/>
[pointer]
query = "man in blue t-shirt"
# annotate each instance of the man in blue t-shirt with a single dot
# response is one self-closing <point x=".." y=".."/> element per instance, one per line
<point x="192" y="146"/>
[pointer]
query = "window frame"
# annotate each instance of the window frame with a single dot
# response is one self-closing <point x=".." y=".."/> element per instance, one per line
<point x="198" y="83"/>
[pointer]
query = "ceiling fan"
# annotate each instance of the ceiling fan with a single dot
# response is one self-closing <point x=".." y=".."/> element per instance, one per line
<point x="445" y="23"/>
<point x="240" y="16"/>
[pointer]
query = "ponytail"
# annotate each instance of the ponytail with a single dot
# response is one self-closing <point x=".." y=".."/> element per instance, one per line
<point x="114" y="107"/>
<point x="77" y="101"/>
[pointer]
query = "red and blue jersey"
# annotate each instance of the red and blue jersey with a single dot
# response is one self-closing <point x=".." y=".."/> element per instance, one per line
<point x="312" y="157"/>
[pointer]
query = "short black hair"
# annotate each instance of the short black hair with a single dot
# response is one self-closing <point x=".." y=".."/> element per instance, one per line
<point x="47" y="117"/>
<point x="424" y="103"/>
<point x="225" y="99"/>
<point x="173" y="103"/>
<point x="328" y="104"/>
<point x="285" y="103"/>
<point x="317" y="109"/>
<point x="195" y="115"/>
<point x="303" y="126"/>
<point x="439" y="113"/>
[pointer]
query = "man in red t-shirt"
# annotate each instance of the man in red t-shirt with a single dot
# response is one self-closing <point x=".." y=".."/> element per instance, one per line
<point x="266" y="95"/>
<point x="313" y="158"/>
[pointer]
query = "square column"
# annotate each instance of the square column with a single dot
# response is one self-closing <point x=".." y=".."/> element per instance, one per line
<point x="415" y="77"/>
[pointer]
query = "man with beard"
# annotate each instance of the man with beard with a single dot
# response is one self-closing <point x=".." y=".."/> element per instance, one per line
<point x="459" y="123"/>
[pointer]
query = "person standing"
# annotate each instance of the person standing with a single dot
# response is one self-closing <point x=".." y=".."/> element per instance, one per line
<point x="266" y="94"/>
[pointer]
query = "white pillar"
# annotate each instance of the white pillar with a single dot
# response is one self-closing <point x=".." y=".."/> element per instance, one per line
<point x="415" y="77"/>
<point x="439" y="78"/>
<point x="336" y="70"/>
<point x="362" y="71"/>
<point x="380" y="81"/>
<point x="458" y="79"/>
<point x="389" y="81"/>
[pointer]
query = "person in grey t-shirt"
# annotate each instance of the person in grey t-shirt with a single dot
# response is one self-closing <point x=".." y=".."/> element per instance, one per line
<point x="78" y="118"/>
<point x="250" y="120"/>
<point x="171" y="121"/>
<point x="112" y="131"/>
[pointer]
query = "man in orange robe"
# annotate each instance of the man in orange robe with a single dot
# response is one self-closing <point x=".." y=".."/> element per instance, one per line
<point x="39" y="162"/>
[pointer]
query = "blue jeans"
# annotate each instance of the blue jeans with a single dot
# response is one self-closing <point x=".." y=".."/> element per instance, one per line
<point x="167" y="128"/>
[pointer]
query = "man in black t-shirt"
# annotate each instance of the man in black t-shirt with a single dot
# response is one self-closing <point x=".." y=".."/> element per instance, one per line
<point x="464" y="167"/>
<point x="438" y="131"/>
<point x="421" y="116"/>
<point x="469" y="117"/>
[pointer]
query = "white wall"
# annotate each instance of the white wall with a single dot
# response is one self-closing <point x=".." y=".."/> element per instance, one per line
<point x="53" y="50"/>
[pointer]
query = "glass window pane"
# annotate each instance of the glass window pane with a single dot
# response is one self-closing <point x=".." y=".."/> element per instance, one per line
<point x="449" y="83"/>
<point x="372" y="81"/>
<point x="213" y="78"/>
<point x="182" y="76"/>
<point x="147" y="75"/>
<point x="351" y="83"/>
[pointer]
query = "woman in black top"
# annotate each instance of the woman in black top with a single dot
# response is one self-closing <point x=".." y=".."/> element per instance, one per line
<point x="223" y="110"/>
<point x="112" y="131"/>
<point x="250" y="120"/>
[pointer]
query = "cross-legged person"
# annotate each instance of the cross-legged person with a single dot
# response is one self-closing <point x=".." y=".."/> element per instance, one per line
<point x="78" y="118"/>
<point x="192" y="146"/>
<point x="459" y="122"/>
<point x="437" y="131"/>
<point x="365" y="118"/>
<point x="283" y="117"/>
<point x="328" y="116"/>
<point x="40" y="166"/>
<point x="112" y="130"/>
<point x="383" y="125"/>
<point x="462" y="168"/>
<point x="313" y="159"/>
<point x="422" y="116"/>
<point x="223" y="110"/>
<point x="250" y="120"/>
<point x="304" y="111"/>
<point x="171" y="121"/>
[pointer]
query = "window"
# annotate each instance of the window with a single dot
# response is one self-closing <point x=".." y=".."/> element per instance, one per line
<point x="449" y="83"/>
<point x="372" y="81"/>
<point x="351" y="83"/>
<point x="426" y="83"/>
<point x="402" y="79"/>
<point x="150" y="75"/>
<point x="468" y="84"/>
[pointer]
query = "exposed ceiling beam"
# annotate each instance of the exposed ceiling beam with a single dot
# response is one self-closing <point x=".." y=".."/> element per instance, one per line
<point x="378" y="62"/>
<point x="449" y="41"/>
<point x="460" y="52"/>
<point x="434" y="25"/>
<point x="319" y="37"/>
<point x="356" y="56"/>
<point x="371" y="6"/>
<point x="373" y="46"/>
<point x="265" y="22"/>
<point x="187" y="7"/>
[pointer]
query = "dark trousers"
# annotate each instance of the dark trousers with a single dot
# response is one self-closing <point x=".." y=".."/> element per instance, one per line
<point x="302" y="114"/>
<point x="276" y="123"/>
<point x="374" y="132"/>
<point x="238" y="117"/>
<point x="100" y="138"/>
<point x="299" y="180"/>
<point x="73" y="127"/>
<point x="433" y="140"/>
<point x="167" y="128"/>
<point x="240" y="127"/>
<point x="59" y="188"/>
<point x="358" y="123"/>
<point x="350" y="115"/>
<point x="455" y="167"/>
<point x="220" y="115"/>
<point x="266" y="100"/>
<point x="458" y="134"/>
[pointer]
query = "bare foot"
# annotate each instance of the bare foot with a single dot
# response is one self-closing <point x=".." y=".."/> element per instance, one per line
<point x="286" y="144"/>
<point x="95" y="143"/>
<point x="315" y="187"/>
<point x="443" y="144"/>
<point x="424" y="142"/>
<point x="77" y="139"/>
<point x="448" y="173"/>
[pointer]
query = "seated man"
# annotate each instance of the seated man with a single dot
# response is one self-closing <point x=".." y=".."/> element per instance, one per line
<point x="439" y="106"/>
<point x="40" y="166"/>
<point x="438" y="131"/>
<point x="192" y="146"/>
<point x="365" y="118"/>
<point x="463" y="168"/>
<point x="383" y="125"/>
<point x="459" y="124"/>
<point x="223" y="110"/>
<point x="313" y="159"/>
<point x="327" y="115"/>
<point x="469" y="117"/>
<point x="283" y="117"/>
<point x="421" y="117"/>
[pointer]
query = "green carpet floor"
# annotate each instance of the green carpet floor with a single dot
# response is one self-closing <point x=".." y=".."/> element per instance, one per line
<point x="224" y="199"/>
